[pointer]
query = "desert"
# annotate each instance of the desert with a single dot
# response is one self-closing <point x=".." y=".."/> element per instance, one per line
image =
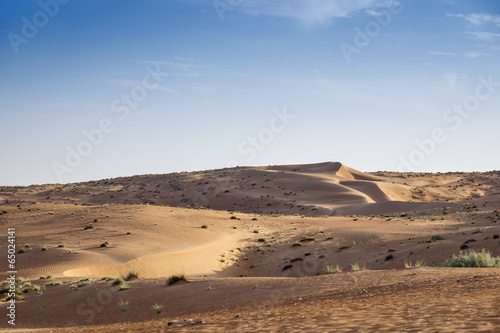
<point x="320" y="247"/>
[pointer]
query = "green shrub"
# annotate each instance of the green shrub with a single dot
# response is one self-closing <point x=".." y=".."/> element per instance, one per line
<point x="474" y="259"/>
<point x="176" y="278"/>
<point x="329" y="268"/>
<point x="357" y="267"/>
<point x="158" y="308"/>
<point x="437" y="238"/>
<point x="132" y="275"/>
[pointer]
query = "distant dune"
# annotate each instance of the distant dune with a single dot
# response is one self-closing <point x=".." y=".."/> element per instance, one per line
<point x="312" y="190"/>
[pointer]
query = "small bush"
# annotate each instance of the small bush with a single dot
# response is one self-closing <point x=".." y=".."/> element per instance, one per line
<point x="132" y="275"/>
<point x="124" y="286"/>
<point x="418" y="263"/>
<point x="176" y="278"/>
<point x="464" y="246"/>
<point x="45" y="248"/>
<point x="474" y="259"/>
<point x="158" y="308"/>
<point x="261" y="240"/>
<point x="357" y="267"/>
<point x="105" y="244"/>
<point x="61" y="245"/>
<point x="53" y="283"/>
<point x="329" y="268"/>
<point x="90" y="226"/>
<point x="118" y="281"/>
<point x="21" y="250"/>
<point x="437" y="238"/>
<point x="124" y="305"/>
<point x="297" y="244"/>
<point x="204" y="226"/>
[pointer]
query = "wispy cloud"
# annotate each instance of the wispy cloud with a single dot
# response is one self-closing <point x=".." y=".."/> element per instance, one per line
<point x="475" y="54"/>
<point x="181" y="66"/>
<point x="134" y="83"/>
<point x="483" y="35"/>
<point x="450" y="54"/>
<point x="465" y="54"/>
<point x="312" y="11"/>
<point x="478" y="19"/>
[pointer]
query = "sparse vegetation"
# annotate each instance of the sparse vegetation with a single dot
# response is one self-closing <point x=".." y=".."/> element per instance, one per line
<point x="176" y="278"/>
<point x="124" y="286"/>
<point x="124" y="305"/>
<point x="118" y="281"/>
<point x="329" y="268"/>
<point x="45" y="248"/>
<point x="158" y="308"/>
<point x="418" y="263"/>
<point x="474" y="259"/>
<point x="204" y="226"/>
<point x="437" y="238"/>
<point x="53" y="283"/>
<point x="297" y="244"/>
<point x="356" y="267"/>
<point x="132" y="275"/>
<point x="105" y="244"/>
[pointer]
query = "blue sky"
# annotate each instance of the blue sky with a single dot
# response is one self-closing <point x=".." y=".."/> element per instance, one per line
<point x="167" y="86"/>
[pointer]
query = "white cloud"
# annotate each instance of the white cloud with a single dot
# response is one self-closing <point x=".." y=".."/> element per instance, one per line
<point x="465" y="54"/>
<point x="450" y="54"/>
<point x="478" y="19"/>
<point x="483" y="35"/>
<point x="474" y="54"/>
<point x="311" y="11"/>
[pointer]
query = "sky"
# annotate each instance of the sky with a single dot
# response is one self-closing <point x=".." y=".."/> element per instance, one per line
<point x="94" y="89"/>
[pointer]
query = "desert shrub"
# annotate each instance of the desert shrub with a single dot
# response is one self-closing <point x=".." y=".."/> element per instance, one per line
<point x="474" y="259"/>
<point x="329" y="268"/>
<point x="132" y="275"/>
<point x="118" y="281"/>
<point x="124" y="305"/>
<point x="158" y="308"/>
<point x="262" y="240"/>
<point x="53" y="283"/>
<point x="124" y="286"/>
<point x="105" y="244"/>
<point x="418" y="263"/>
<point x="204" y="226"/>
<point x="356" y="267"/>
<point x="45" y="248"/>
<point x="176" y="278"/>
<point x="297" y="244"/>
<point x="437" y="238"/>
<point x="21" y="250"/>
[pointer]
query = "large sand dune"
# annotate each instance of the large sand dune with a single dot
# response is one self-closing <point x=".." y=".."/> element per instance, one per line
<point x="257" y="258"/>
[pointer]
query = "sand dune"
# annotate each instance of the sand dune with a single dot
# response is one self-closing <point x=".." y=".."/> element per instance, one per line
<point x="259" y="263"/>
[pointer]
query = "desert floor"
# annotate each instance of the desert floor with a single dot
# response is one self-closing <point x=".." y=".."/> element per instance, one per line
<point x="256" y="244"/>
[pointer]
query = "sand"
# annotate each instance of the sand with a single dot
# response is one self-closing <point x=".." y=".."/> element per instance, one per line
<point x="254" y="244"/>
